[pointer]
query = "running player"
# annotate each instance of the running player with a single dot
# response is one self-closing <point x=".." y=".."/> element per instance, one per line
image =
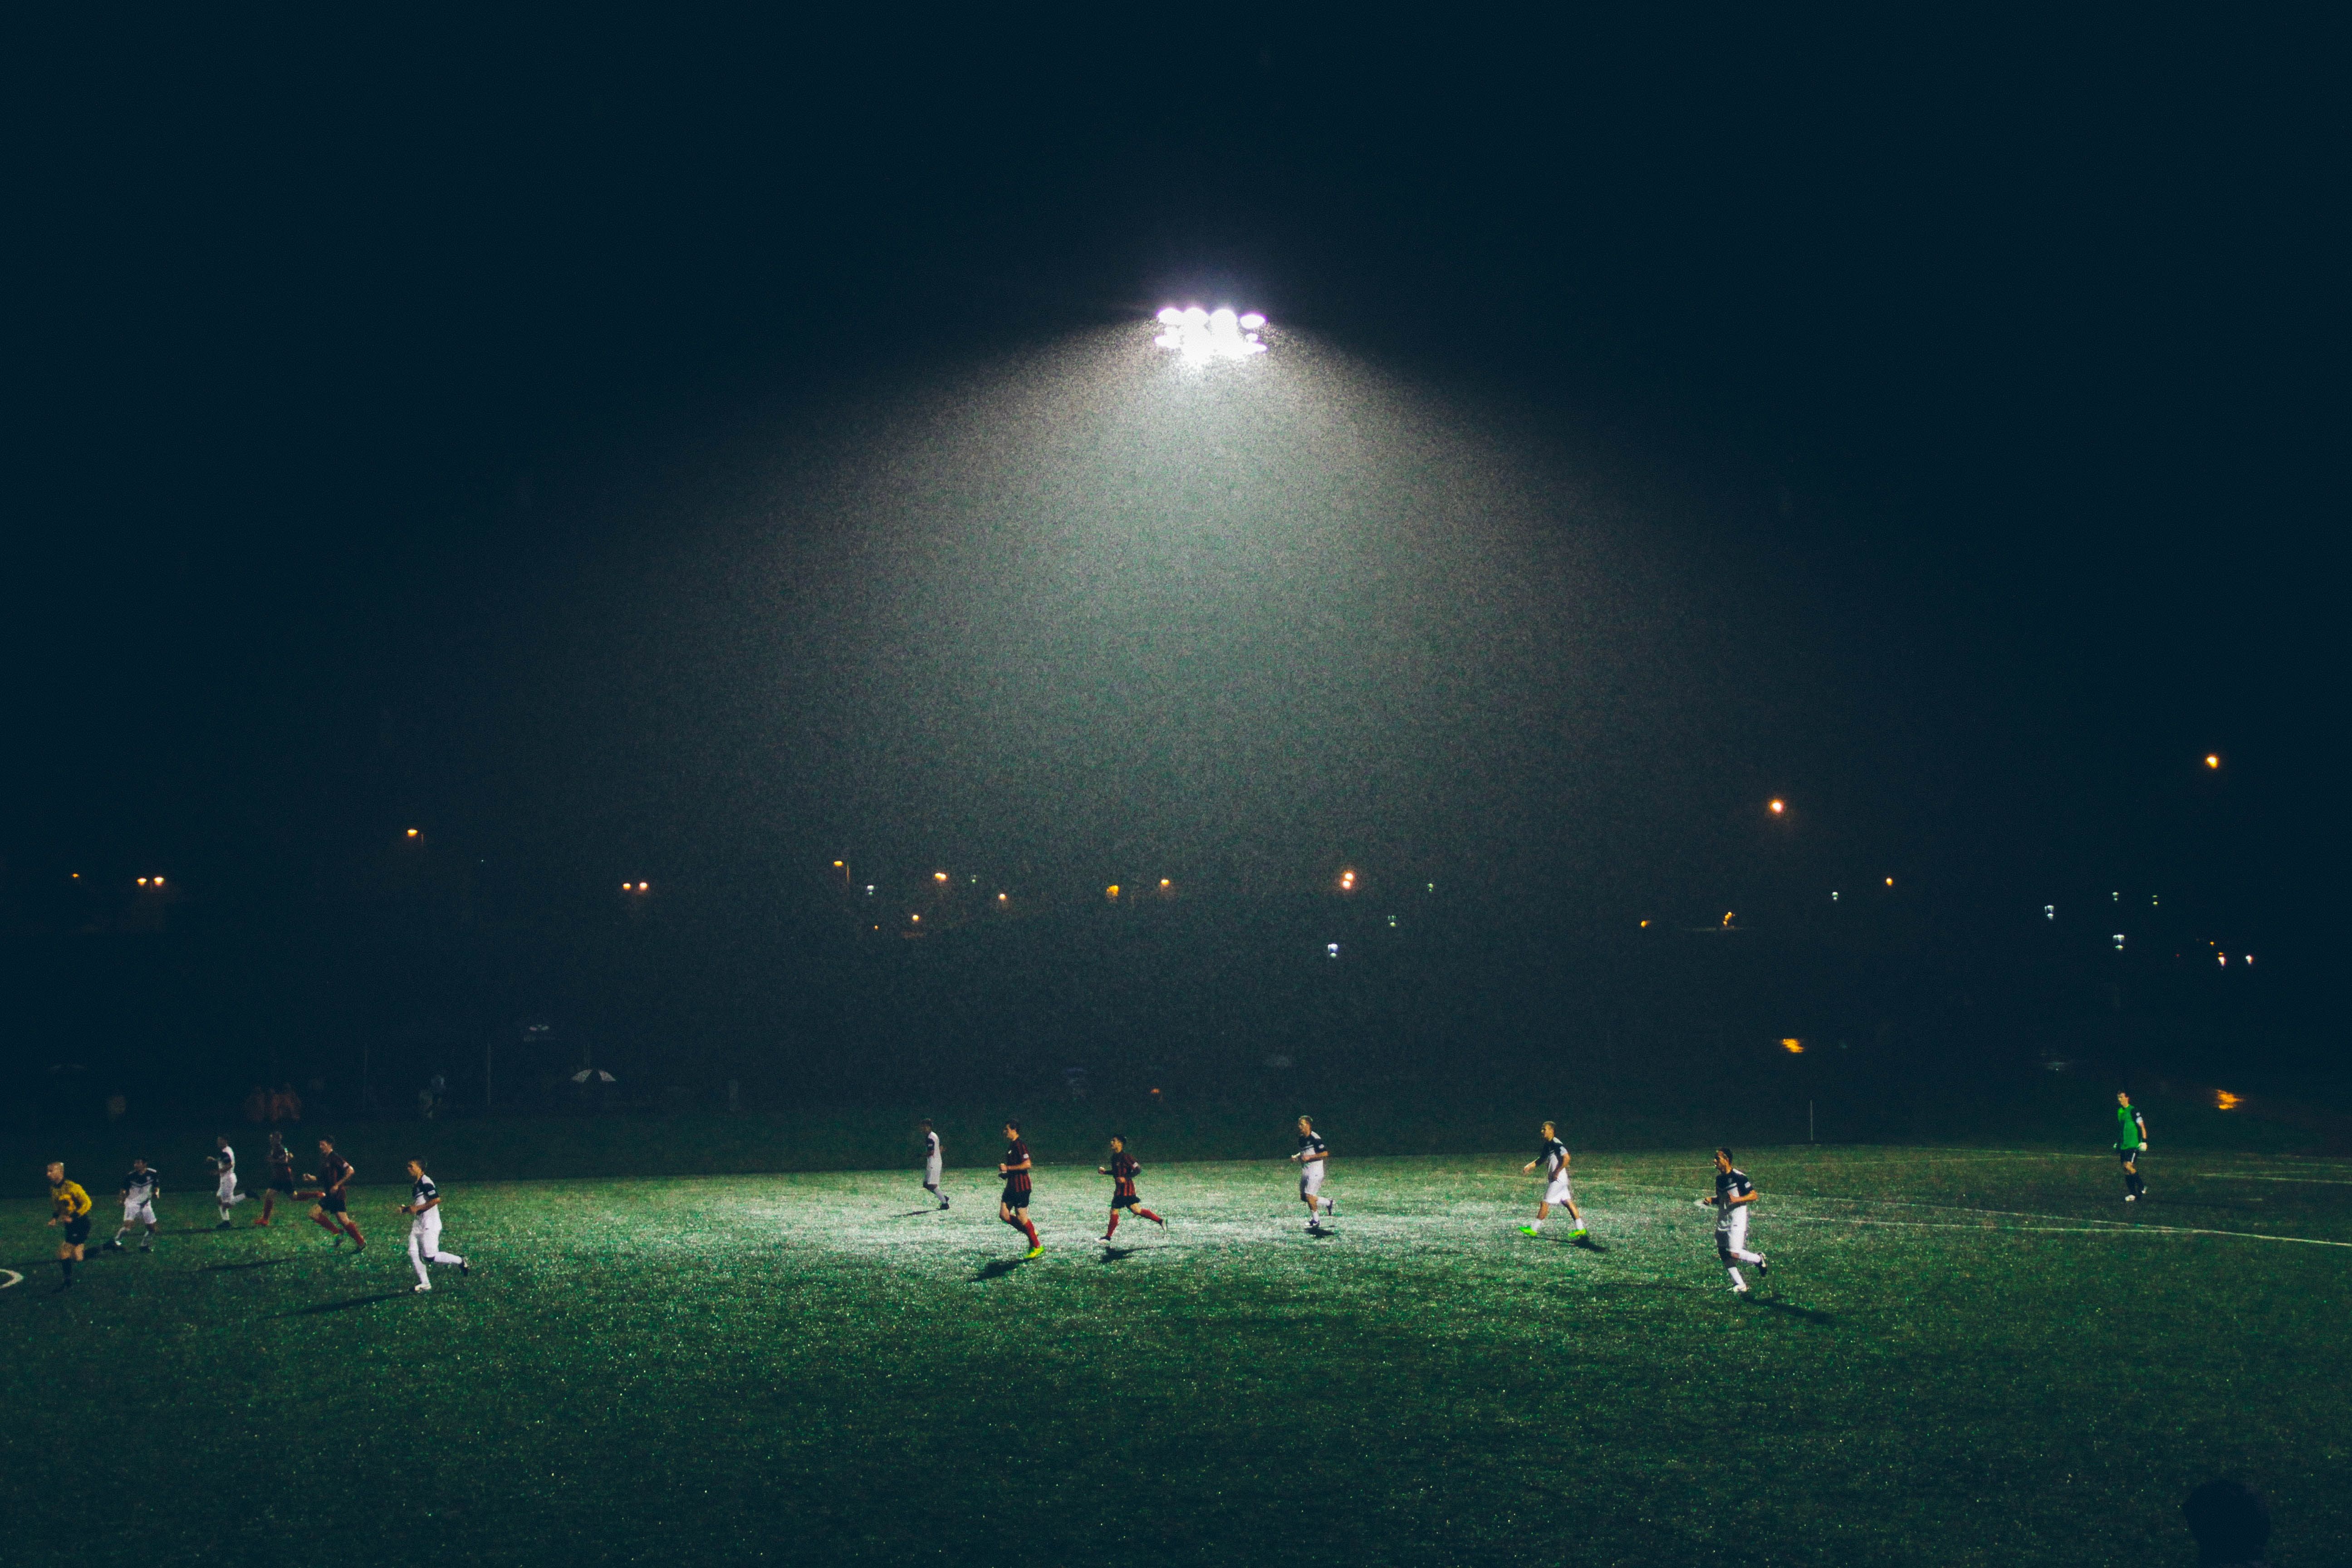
<point x="281" y="1175"/>
<point x="932" y="1164"/>
<point x="1553" y="1157"/>
<point x="224" y="1161"/>
<point x="1012" y="1207"/>
<point x="332" y="1210"/>
<point x="2131" y="1143"/>
<point x="1311" y="1155"/>
<point x="1122" y="1171"/>
<point x="423" y="1207"/>
<point x="69" y="1207"/>
<point x="1734" y="1193"/>
<point x="139" y="1191"/>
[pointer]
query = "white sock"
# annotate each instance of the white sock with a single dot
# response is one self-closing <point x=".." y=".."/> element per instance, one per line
<point x="450" y="1257"/>
<point x="224" y="1209"/>
<point x="1536" y="1224"/>
<point x="1737" y="1283"/>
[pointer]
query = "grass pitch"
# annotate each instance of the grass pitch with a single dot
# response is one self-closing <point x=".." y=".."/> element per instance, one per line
<point x="1960" y="1357"/>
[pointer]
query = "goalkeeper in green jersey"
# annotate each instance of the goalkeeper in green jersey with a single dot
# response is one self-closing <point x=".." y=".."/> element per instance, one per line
<point x="2131" y="1143"/>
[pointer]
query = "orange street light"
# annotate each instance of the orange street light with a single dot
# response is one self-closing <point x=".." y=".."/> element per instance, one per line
<point x="1890" y="882"/>
<point x="2213" y="760"/>
<point x="1347" y="881"/>
<point x="1111" y="892"/>
<point x="412" y="833"/>
<point x="938" y="876"/>
<point x="1794" y="1047"/>
<point x="1777" y="806"/>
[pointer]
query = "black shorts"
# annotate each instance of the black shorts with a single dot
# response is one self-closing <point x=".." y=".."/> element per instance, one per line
<point x="1127" y="1202"/>
<point x="1015" y="1197"/>
<point x="2128" y="1156"/>
<point x="77" y="1230"/>
<point x="331" y="1202"/>
<point x="282" y="1184"/>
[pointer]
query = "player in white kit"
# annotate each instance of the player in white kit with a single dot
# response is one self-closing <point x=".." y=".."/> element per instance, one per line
<point x="1553" y="1157"/>
<point x="932" y="1164"/>
<point x="424" y="1209"/>
<point x="140" y="1189"/>
<point x="1312" y="1152"/>
<point x="225" y="1162"/>
<point x="1734" y="1195"/>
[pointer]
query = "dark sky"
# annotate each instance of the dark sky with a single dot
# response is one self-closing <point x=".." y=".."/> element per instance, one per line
<point x="649" y="442"/>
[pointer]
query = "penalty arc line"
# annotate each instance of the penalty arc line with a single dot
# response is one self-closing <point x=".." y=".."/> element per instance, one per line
<point x="13" y="1279"/>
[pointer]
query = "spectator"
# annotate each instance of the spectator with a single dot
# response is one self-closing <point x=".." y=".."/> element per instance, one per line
<point x="116" y="1108"/>
<point x="2232" y="1526"/>
<point x="257" y="1105"/>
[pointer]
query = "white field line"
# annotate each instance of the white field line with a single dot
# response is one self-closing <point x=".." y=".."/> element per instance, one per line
<point x="2109" y="1228"/>
<point x="13" y="1279"/>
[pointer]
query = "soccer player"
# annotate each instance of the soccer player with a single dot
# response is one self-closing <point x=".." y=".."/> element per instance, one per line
<point x="139" y="1191"/>
<point x="1122" y="1171"/>
<point x="932" y="1164"/>
<point x="281" y="1175"/>
<point x="1012" y="1207"/>
<point x="225" y="1162"/>
<point x="1553" y="1157"/>
<point x="69" y="1207"/>
<point x="423" y="1207"/>
<point x="2131" y="1143"/>
<point x="1734" y="1193"/>
<point x="331" y="1212"/>
<point x="1312" y="1152"/>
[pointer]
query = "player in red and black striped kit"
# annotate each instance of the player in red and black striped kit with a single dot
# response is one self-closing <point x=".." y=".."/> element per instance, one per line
<point x="1122" y="1171"/>
<point x="1012" y="1207"/>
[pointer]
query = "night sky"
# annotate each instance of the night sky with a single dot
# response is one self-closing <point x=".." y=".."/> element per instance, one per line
<point x="638" y="448"/>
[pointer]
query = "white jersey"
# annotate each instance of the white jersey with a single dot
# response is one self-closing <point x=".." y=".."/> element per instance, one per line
<point x="1311" y="1150"/>
<point x="225" y="1163"/>
<point x="931" y="1152"/>
<point x="1554" y="1156"/>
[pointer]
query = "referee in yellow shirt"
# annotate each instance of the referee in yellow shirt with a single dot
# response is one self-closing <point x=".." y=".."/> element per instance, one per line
<point x="72" y="1207"/>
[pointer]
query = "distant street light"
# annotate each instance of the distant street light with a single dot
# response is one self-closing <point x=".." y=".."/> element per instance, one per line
<point x="1777" y="806"/>
<point x="412" y="833"/>
<point x="2213" y="760"/>
<point x="1347" y="881"/>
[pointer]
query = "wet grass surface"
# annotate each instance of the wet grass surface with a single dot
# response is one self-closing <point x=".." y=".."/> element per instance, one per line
<point x="1961" y="1357"/>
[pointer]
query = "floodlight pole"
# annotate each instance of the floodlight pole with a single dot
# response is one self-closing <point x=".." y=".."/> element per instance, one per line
<point x="1809" y="1122"/>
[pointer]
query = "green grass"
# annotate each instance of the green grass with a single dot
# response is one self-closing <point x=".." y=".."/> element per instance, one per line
<point x="1962" y="1357"/>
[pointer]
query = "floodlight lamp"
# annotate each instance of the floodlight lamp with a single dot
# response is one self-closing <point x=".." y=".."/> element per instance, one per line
<point x="1200" y="335"/>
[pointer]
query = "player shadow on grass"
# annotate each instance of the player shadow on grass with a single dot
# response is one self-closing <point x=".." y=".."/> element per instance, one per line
<point x="1810" y="1314"/>
<point x="313" y="1311"/>
<point x="998" y="1270"/>
<point x="1113" y="1254"/>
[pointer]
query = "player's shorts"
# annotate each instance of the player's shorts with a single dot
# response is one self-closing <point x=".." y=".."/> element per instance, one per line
<point x="1731" y="1231"/>
<point x="226" y="1186"/>
<point x="333" y="1203"/>
<point x="1310" y="1179"/>
<point x="1557" y="1193"/>
<point x="2128" y="1155"/>
<point x="141" y="1213"/>
<point x="427" y="1227"/>
<point x="932" y="1173"/>
<point x="1128" y="1201"/>
<point x="282" y="1184"/>
<point x="77" y="1230"/>
<point x="1014" y="1197"/>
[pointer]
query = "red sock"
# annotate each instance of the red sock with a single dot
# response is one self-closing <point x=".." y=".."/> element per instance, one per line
<point x="354" y="1231"/>
<point x="327" y="1224"/>
<point x="1149" y="1215"/>
<point x="1031" y="1227"/>
<point x="1114" y="1224"/>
